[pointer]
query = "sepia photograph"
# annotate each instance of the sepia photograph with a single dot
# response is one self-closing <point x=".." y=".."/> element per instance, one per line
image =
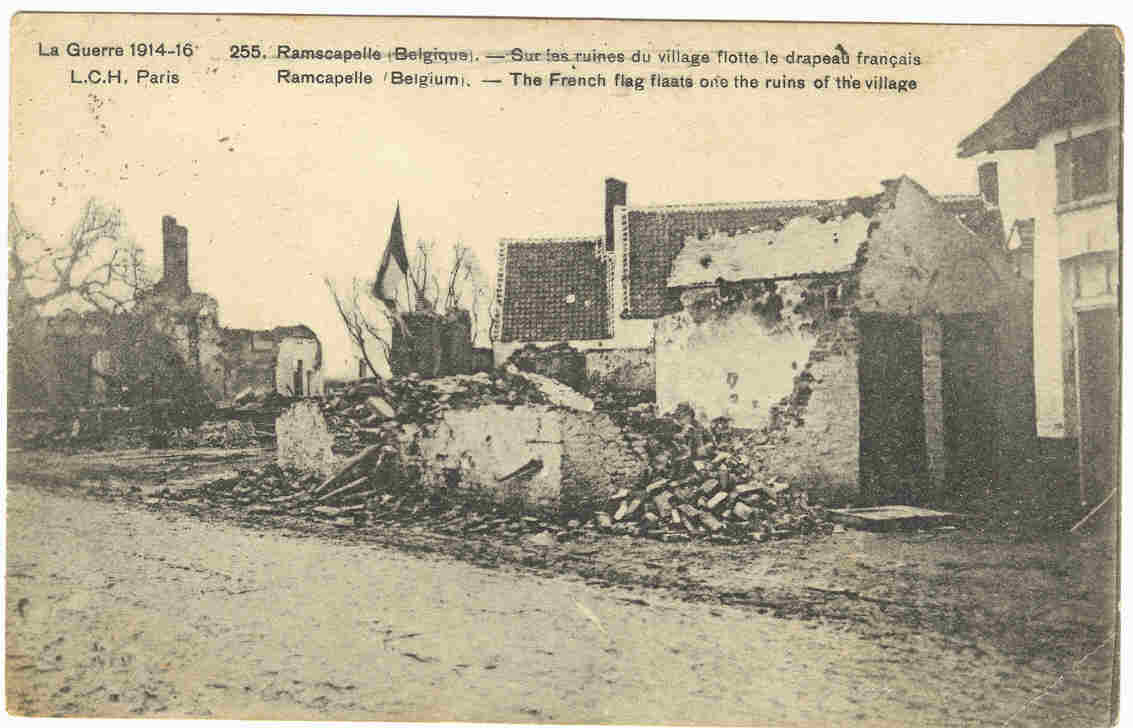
<point x="563" y="371"/>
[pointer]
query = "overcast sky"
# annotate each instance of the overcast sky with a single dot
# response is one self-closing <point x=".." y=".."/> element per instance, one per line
<point x="280" y="185"/>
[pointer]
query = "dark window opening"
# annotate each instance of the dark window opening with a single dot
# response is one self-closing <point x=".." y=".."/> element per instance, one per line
<point x="1086" y="166"/>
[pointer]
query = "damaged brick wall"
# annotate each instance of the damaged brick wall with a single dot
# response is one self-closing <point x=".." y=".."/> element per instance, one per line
<point x="777" y="357"/>
<point x="816" y="442"/>
<point x="624" y="370"/>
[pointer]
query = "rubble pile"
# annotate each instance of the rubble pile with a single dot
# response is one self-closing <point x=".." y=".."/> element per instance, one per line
<point x="365" y="490"/>
<point x="703" y="483"/>
<point x="372" y="410"/>
<point x="226" y="434"/>
<point x="699" y="483"/>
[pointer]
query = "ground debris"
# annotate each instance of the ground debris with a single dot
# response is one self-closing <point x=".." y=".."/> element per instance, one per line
<point x="700" y="483"/>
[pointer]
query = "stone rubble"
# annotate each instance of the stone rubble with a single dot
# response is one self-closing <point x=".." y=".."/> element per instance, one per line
<point x="701" y="482"/>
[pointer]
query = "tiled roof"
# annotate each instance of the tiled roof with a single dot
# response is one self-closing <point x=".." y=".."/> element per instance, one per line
<point x="653" y="236"/>
<point x="554" y="289"/>
<point x="804" y="246"/>
<point x="1082" y="83"/>
<point x="656" y="235"/>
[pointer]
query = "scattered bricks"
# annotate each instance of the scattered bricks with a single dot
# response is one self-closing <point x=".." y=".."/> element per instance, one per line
<point x="656" y="486"/>
<point x="742" y="510"/>
<point x="748" y="488"/>
<point x="543" y="539"/>
<point x="717" y="501"/>
<point x="604" y="520"/>
<point x="627" y="509"/>
<point x="349" y="487"/>
<point x="675" y="517"/>
<point x="662" y="501"/>
<point x="360" y="460"/>
<point x="709" y="486"/>
<point x="652" y="517"/>
<point x="711" y="522"/>
<point x="700" y="465"/>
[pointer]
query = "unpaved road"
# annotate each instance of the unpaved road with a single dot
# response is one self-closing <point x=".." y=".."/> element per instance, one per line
<point x="116" y="611"/>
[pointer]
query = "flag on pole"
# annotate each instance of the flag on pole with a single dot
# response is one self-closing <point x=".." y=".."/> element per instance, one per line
<point x="395" y="265"/>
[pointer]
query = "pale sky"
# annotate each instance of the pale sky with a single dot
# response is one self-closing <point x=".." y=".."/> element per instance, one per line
<point x="306" y="179"/>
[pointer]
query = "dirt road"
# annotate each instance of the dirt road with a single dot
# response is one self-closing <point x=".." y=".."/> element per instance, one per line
<point x="116" y="611"/>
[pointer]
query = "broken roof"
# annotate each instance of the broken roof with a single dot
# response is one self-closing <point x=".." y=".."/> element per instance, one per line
<point x="554" y="289"/>
<point x="804" y="246"/>
<point x="1081" y="83"/>
<point x="657" y="234"/>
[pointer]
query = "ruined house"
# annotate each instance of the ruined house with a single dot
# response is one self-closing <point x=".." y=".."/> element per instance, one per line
<point x="90" y="356"/>
<point x="286" y="359"/>
<point x="1051" y="159"/>
<point x="847" y="329"/>
<point x="565" y="289"/>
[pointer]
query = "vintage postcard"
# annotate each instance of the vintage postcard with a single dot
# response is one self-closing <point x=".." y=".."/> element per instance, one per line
<point x="563" y="371"/>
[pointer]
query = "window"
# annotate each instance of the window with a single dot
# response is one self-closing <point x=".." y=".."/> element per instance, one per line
<point x="1086" y="166"/>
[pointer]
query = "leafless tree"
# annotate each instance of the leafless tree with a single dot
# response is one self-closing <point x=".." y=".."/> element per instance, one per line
<point x="370" y="324"/>
<point x="87" y="280"/>
<point x="96" y="265"/>
<point x="361" y="326"/>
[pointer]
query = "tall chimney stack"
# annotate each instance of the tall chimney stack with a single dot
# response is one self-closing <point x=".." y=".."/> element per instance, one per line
<point x="175" y="256"/>
<point x="615" y="195"/>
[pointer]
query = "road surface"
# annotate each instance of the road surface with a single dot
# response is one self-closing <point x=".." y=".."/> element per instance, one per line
<point x="114" y="610"/>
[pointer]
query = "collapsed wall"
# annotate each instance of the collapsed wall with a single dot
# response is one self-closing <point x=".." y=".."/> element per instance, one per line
<point x="777" y="357"/>
<point x="531" y="456"/>
<point x="513" y="438"/>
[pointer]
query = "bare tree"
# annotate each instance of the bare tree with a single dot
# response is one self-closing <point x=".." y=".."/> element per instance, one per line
<point x="370" y="323"/>
<point x="361" y="327"/>
<point x="85" y="284"/>
<point x="96" y="265"/>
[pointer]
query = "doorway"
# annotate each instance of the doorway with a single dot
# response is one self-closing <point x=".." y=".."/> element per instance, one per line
<point x="891" y="412"/>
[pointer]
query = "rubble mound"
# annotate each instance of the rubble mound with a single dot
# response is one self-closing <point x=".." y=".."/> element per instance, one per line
<point x="704" y="482"/>
<point x="373" y="410"/>
<point x="699" y="482"/>
<point x="225" y="434"/>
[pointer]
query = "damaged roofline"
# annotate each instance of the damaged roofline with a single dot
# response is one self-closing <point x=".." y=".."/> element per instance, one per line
<point x="743" y="281"/>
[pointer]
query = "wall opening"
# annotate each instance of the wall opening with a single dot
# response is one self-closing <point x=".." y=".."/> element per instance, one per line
<point x="1099" y="404"/>
<point x="892" y="430"/>
<point x="968" y="386"/>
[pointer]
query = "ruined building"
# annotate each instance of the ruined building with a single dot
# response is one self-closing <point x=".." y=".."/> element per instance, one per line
<point x="170" y="345"/>
<point x="286" y="359"/>
<point x="847" y="330"/>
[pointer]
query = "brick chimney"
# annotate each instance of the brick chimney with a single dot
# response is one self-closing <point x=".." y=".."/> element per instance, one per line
<point x="175" y="254"/>
<point x="615" y="195"/>
<point x="988" y="174"/>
